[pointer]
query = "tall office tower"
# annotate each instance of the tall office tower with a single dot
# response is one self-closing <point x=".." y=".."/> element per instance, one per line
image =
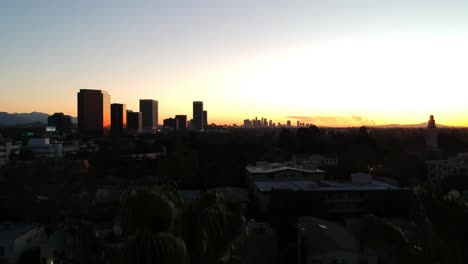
<point x="270" y="124"/>
<point x="205" y="119"/>
<point x="170" y="123"/>
<point x="181" y="122"/>
<point x="134" y="121"/>
<point x="149" y="112"/>
<point x="298" y="123"/>
<point x="197" y="123"/>
<point x="61" y="122"/>
<point x="288" y="123"/>
<point x="94" y="117"/>
<point x="118" y="118"/>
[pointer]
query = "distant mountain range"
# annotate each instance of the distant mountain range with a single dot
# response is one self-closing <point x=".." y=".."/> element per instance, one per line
<point x="37" y="117"/>
<point x="421" y="125"/>
<point x="25" y="118"/>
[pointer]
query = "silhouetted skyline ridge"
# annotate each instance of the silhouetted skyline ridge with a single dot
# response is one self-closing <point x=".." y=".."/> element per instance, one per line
<point x="39" y="117"/>
<point x="25" y="118"/>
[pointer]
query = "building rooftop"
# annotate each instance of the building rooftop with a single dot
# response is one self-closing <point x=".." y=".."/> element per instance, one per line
<point x="10" y="231"/>
<point x="232" y="194"/>
<point x="459" y="161"/>
<point x="322" y="186"/>
<point x="93" y="90"/>
<point x="266" y="167"/>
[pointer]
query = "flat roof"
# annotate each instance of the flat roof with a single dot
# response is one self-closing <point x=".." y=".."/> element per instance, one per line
<point x="13" y="231"/>
<point x="451" y="162"/>
<point x="275" y="167"/>
<point x="93" y="90"/>
<point x="323" y="186"/>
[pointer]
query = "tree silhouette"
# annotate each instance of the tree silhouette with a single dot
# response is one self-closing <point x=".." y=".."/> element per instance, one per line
<point x="146" y="247"/>
<point x="206" y="229"/>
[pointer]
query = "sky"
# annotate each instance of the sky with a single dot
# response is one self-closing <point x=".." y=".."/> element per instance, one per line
<point x="327" y="62"/>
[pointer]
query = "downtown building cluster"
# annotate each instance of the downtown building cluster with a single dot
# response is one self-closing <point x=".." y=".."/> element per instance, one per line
<point x="263" y="122"/>
<point x="98" y="116"/>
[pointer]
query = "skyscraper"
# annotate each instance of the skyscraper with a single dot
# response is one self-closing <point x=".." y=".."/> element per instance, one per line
<point x="205" y="119"/>
<point x="197" y="115"/>
<point x="94" y="117"/>
<point x="134" y="121"/>
<point x="288" y="123"/>
<point x="118" y="118"/>
<point x="181" y="122"/>
<point x="170" y="123"/>
<point x="149" y="113"/>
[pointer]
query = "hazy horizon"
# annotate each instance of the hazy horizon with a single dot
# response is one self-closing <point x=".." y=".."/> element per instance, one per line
<point x="340" y="63"/>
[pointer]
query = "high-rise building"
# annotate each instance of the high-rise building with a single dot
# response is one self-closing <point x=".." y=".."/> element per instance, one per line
<point x="197" y="123"/>
<point x="134" y="121"/>
<point x="94" y="115"/>
<point x="298" y="123"/>
<point x="288" y="123"/>
<point x="149" y="113"/>
<point x="61" y="122"/>
<point x="247" y="123"/>
<point x="170" y="123"/>
<point x="205" y="119"/>
<point x="181" y="122"/>
<point x="118" y="118"/>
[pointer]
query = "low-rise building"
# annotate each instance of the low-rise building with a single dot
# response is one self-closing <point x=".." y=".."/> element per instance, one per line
<point x="320" y="160"/>
<point x="43" y="148"/>
<point x="6" y="149"/>
<point x="265" y="171"/>
<point x="39" y="189"/>
<point x="16" y="238"/>
<point x="456" y="166"/>
<point x="360" y="195"/>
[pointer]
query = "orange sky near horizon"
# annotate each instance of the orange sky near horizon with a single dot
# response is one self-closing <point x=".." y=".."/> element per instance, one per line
<point x="330" y="63"/>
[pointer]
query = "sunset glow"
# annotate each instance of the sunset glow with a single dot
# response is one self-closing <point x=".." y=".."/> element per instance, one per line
<point x="344" y="67"/>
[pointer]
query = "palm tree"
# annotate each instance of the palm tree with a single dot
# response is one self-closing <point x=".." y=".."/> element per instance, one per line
<point x="376" y="232"/>
<point x="158" y="224"/>
<point x="213" y="232"/>
<point x="81" y="244"/>
<point x="144" y="209"/>
<point x="146" y="247"/>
